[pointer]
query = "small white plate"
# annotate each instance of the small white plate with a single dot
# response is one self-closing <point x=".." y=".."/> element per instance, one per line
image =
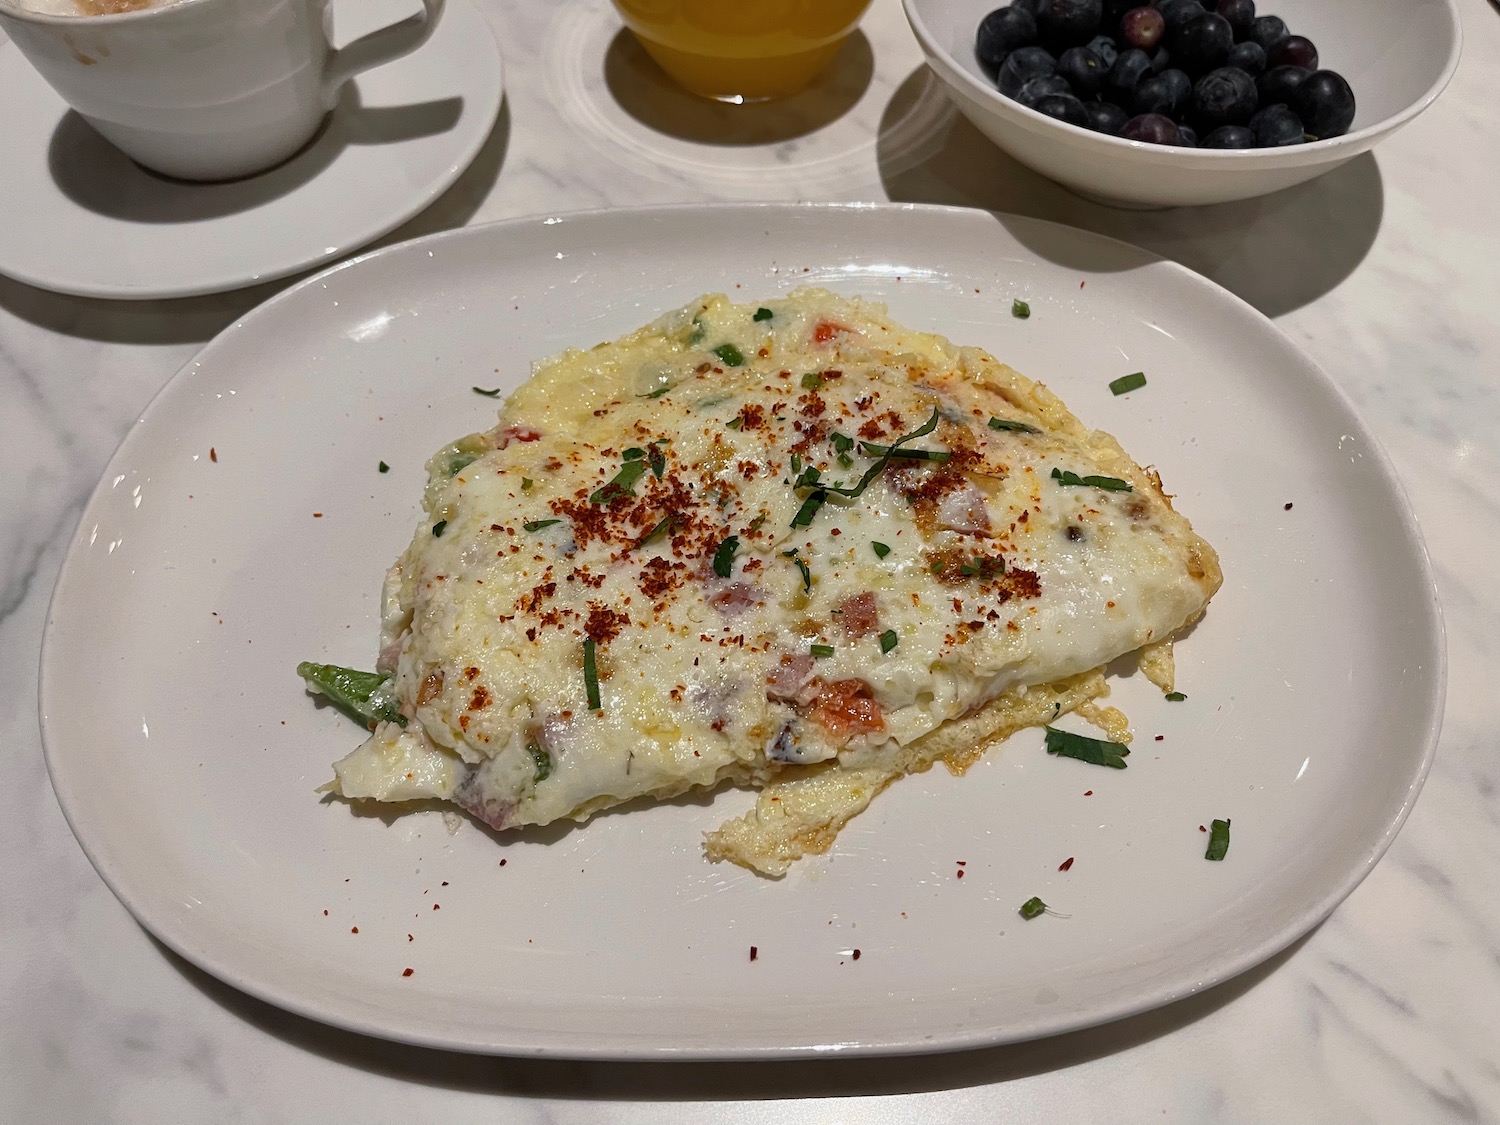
<point x="98" y="225"/>
<point x="244" y="525"/>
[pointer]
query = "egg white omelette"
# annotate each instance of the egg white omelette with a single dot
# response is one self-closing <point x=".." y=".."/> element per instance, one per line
<point x="790" y="545"/>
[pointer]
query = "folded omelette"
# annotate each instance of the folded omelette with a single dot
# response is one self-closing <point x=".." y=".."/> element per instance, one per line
<point x="792" y="546"/>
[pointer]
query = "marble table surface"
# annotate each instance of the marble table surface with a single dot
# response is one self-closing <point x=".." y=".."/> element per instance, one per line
<point x="1387" y="271"/>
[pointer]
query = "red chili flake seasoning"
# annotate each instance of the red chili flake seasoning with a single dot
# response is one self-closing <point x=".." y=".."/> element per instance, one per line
<point x="355" y="929"/>
<point x="435" y="906"/>
<point x="754" y="952"/>
<point x="407" y="972"/>
<point x="1088" y="792"/>
<point x="317" y="515"/>
<point x="855" y="955"/>
<point x="1287" y="507"/>
<point x="502" y="863"/>
<point x="1065" y="864"/>
<point x="1160" y="737"/>
<point x="960" y="873"/>
<point x="213" y="455"/>
<point x="325" y="914"/>
<point x="1202" y="829"/>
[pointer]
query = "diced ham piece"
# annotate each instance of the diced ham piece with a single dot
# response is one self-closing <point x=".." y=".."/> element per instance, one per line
<point x="788" y="679"/>
<point x="963" y="510"/>
<point x="845" y="708"/>
<point x="859" y="615"/>
<point x="735" y="598"/>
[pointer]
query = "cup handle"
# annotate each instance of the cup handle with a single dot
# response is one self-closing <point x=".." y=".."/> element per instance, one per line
<point x="379" y="47"/>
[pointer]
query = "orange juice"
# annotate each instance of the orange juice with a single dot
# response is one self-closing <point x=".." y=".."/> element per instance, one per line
<point x="742" y="50"/>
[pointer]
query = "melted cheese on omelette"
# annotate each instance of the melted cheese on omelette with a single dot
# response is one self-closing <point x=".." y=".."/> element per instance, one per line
<point x="793" y="545"/>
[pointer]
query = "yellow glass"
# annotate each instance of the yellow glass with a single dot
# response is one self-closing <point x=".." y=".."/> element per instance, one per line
<point x="742" y="50"/>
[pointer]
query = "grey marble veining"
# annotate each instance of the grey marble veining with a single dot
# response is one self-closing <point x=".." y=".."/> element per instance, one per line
<point x="1387" y="271"/>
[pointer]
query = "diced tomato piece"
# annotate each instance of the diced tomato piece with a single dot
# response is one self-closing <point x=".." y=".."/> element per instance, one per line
<point x="518" y="433"/>
<point x="845" y="708"/>
<point x="826" y="330"/>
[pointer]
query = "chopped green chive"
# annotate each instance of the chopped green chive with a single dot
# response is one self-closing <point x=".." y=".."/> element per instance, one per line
<point x="665" y="523"/>
<point x="724" y="556"/>
<point x="841" y="442"/>
<point x="822" y="651"/>
<point x="590" y="674"/>
<point x="699" y="331"/>
<point x="1111" y="484"/>
<point x="384" y="468"/>
<point x="806" y="574"/>
<point x="1175" y="697"/>
<point x="870" y="449"/>
<point x="657" y="460"/>
<point x="888" y="640"/>
<point x="635" y="453"/>
<point x="526" y="483"/>
<point x="656" y="393"/>
<point x="730" y="355"/>
<point x="487" y="394"/>
<point x="796" y="462"/>
<point x="812" y="381"/>
<point x="845" y="461"/>
<point x="1127" y="383"/>
<point x="763" y="314"/>
<point x="1094" y="751"/>
<point x="438" y="529"/>
<point x="1218" y="840"/>
<point x="880" y="549"/>
<point x="623" y="482"/>
<point x="1032" y="908"/>
<point x="892" y="450"/>
<point x="537" y="525"/>
<point x="808" y="477"/>
<point x="1020" y="309"/>
<point x="756" y="523"/>
<point x="541" y="760"/>
<point x="809" y="509"/>
<point x="734" y="423"/>
<point x="1008" y="424"/>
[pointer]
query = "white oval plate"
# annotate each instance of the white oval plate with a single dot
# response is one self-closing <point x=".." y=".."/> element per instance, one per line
<point x="243" y="526"/>
<point x="99" y="225"/>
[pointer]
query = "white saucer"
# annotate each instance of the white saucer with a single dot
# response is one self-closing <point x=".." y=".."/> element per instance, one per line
<point x="98" y="225"/>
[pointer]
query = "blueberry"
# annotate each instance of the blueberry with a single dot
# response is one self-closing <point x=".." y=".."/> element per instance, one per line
<point x="1241" y="17"/>
<point x="1027" y="5"/>
<point x="1106" y="117"/>
<point x="1178" y="12"/>
<point x="1229" y="136"/>
<point x="1268" y="31"/>
<point x="1276" y="126"/>
<point x="1223" y="97"/>
<point x="1104" y="47"/>
<point x="1084" y="71"/>
<point x="1001" y="32"/>
<point x="1294" y="50"/>
<point x="1142" y="28"/>
<point x="1161" y="59"/>
<point x="1152" y="128"/>
<point x="1325" y="103"/>
<point x="1249" y="57"/>
<point x="1023" y="64"/>
<point x="1277" y="86"/>
<point x="1036" y="89"/>
<point x="1064" y="107"/>
<point x="1202" y="43"/>
<point x="1166" y="93"/>
<point x="1126" y="74"/>
<point x="1186" y="137"/>
<point x="1068" y="23"/>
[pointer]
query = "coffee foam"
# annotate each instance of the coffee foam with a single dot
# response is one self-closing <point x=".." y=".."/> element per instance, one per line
<point x="84" y="7"/>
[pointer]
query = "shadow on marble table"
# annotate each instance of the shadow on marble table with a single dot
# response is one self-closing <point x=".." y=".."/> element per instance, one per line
<point x="1279" y="252"/>
<point x="189" y="320"/>
<point x="644" y="91"/>
<point x="720" y="1081"/>
<point x="100" y="178"/>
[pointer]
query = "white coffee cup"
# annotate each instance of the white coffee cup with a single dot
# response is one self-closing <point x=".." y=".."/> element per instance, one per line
<point x="206" y="89"/>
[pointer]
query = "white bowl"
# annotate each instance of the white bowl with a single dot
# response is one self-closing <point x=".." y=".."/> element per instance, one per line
<point x="1397" y="55"/>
